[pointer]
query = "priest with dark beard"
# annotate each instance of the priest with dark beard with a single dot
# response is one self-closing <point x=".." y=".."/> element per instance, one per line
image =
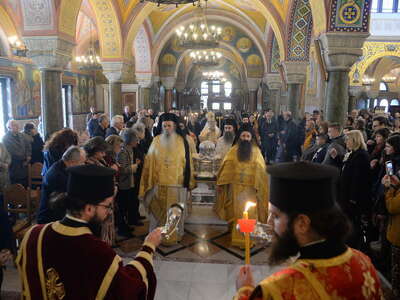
<point x="225" y="142"/>
<point x="242" y="177"/>
<point x="309" y="227"/>
<point x="68" y="260"/>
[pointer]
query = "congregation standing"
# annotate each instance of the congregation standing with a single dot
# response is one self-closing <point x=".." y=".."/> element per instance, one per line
<point x="143" y="157"/>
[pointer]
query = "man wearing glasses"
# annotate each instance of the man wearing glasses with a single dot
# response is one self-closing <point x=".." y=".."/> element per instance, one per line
<point x="68" y="260"/>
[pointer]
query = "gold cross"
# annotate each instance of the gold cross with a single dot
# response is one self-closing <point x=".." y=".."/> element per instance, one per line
<point x="55" y="291"/>
<point x="350" y="12"/>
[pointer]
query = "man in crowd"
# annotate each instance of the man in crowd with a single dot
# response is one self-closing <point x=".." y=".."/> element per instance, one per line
<point x="291" y="138"/>
<point x="117" y="123"/>
<point x="20" y="150"/>
<point x="55" y="183"/>
<point x="127" y="114"/>
<point x="92" y="124"/>
<point x="224" y="143"/>
<point x="315" y="228"/>
<point x="269" y="135"/>
<point x="378" y="122"/>
<point x="242" y="176"/>
<point x="100" y="130"/>
<point x="337" y="148"/>
<point x="90" y="114"/>
<point x="67" y="259"/>
<point x="167" y="175"/>
<point x="321" y="148"/>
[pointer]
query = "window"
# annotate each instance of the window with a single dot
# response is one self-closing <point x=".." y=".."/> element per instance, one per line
<point x="385" y="6"/>
<point x="215" y="106"/>
<point x="228" y="89"/>
<point x="227" y="106"/>
<point x="394" y="102"/>
<point x="383" y="87"/>
<point x="216" y="87"/>
<point x="384" y="103"/>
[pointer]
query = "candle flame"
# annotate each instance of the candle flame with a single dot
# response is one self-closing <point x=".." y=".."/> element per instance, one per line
<point x="248" y="205"/>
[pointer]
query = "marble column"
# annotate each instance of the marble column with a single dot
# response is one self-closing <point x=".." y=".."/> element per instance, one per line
<point x="355" y="93"/>
<point x="145" y="80"/>
<point x="340" y="52"/>
<point x="51" y="101"/>
<point x="51" y="54"/>
<point x="295" y="76"/>
<point x="253" y="85"/>
<point x="113" y="71"/>
<point x="252" y="100"/>
<point x="274" y="83"/>
<point x="168" y="83"/>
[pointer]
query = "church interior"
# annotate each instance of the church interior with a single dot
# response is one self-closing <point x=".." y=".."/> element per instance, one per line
<point x="60" y="58"/>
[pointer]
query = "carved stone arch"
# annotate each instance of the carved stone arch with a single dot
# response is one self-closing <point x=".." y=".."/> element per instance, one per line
<point x="142" y="51"/>
<point x="299" y="29"/>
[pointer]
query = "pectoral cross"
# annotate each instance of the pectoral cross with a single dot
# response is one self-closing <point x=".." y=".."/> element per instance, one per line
<point x="55" y="290"/>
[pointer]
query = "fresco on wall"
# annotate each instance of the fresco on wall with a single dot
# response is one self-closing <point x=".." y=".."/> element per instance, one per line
<point x="244" y="44"/>
<point x="167" y="65"/>
<point x="254" y="66"/>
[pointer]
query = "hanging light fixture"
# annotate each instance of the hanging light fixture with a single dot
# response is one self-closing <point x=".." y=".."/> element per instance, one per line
<point x="91" y="60"/>
<point x="368" y="80"/>
<point x="168" y="2"/>
<point x="206" y="58"/>
<point x="199" y="35"/>
<point x="213" y="75"/>
<point x="389" y="79"/>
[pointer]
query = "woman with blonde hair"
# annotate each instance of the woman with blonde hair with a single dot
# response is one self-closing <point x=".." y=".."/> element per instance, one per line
<point x="355" y="186"/>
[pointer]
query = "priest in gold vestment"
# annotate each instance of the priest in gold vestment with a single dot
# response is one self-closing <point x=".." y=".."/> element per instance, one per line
<point x="241" y="178"/>
<point x="210" y="132"/>
<point x="167" y="175"/>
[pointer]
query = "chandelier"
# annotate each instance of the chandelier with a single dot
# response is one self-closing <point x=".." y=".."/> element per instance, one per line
<point x="167" y="2"/>
<point x="206" y="58"/>
<point x="199" y="35"/>
<point x="214" y="75"/>
<point x="368" y="80"/>
<point x="90" y="61"/>
<point x="389" y="79"/>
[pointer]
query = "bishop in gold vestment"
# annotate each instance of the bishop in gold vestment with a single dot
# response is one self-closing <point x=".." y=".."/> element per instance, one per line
<point x="242" y="177"/>
<point x="167" y="175"/>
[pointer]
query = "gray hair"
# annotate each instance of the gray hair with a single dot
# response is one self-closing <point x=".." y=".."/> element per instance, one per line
<point x="129" y="136"/>
<point x="102" y="117"/>
<point x="73" y="153"/>
<point x="139" y="128"/>
<point x="117" y="119"/>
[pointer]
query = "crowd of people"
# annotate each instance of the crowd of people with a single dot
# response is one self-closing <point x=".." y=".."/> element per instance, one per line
<point x="150" y="162"/>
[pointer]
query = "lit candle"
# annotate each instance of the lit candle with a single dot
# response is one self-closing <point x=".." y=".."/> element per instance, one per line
<point x="247" y="234"/>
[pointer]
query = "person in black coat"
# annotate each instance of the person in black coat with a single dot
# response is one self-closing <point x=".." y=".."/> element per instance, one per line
<point x="92" y="124"/>
<point x="117" y="123"/>
<point x="55" y="181"/>
<point x="100" y="130"/>
<point x="268" y="130"/>
<point x="355" y="186"/>
<point x="322" y="147"/>
<point x="36" y="142"/>
<point x="291" y="138"/>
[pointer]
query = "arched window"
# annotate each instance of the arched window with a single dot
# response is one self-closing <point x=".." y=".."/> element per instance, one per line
<point x="384" y="103"/>
<point x="383" y="87"/>
<point x="228" y="88"/>
<point x="394" y="102"/>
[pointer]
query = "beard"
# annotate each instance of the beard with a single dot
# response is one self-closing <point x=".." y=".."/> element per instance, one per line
<point x="168" y="139"/>
<point x="283" y="247"/>
<point x="95" y="225"/>
<point x="228" y="137"/>
<point x="244" y="150"/>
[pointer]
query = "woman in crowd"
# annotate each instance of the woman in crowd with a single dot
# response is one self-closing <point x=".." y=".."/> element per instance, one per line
<point x="145" y="138"/>
<point x="377" y="154"/>
<point x="311" y="134"/>
<point x="36" y="141"/>
<point x="392" y="201"/>
<point x="323" y="127"/>
<point x="355" y="185"/>
<point x="55" y="147"/>
<point x="128" y="204"/>
<point x="95" y="149"/>
<point x="359" y="124"/>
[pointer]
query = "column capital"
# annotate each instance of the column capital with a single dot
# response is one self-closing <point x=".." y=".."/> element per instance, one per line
<point x="295" y="71"/>
<point x="145" y="80"/>
<point x="49" y="52"/>
<point x="273" y="81"/>
<point x="113" y="70"/>
<point x="253" y="84"/>
<point x="356" y="91"/>
<point x="168" y="82"/>
<point x="340" y="50"/>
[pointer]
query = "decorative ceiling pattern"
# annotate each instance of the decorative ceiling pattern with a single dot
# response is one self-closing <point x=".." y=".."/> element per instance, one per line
<point x="275" y="58"/>
<point x="142" y="52"/>
<point x="350" y="15"/>
<point x="299" y="33"/>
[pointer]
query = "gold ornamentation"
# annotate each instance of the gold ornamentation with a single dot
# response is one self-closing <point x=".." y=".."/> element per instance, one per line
<point x="54" y="289"/>
<point x="350" y="12"/>
<point x="368" y="288"/>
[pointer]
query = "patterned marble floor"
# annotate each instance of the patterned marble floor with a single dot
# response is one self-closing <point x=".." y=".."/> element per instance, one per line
<point x="206" y="240"/>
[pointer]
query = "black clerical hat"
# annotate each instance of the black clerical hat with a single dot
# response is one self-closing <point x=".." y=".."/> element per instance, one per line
<point x="302" y="187"/>
<point x="90" y="183"/>
<point x="231" y="122"/>
<point x="169" y="117"/>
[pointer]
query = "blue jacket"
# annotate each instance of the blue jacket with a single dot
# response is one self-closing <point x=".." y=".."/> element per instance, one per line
<point x="55" y="180"/>
<point x="49" y="158"/>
